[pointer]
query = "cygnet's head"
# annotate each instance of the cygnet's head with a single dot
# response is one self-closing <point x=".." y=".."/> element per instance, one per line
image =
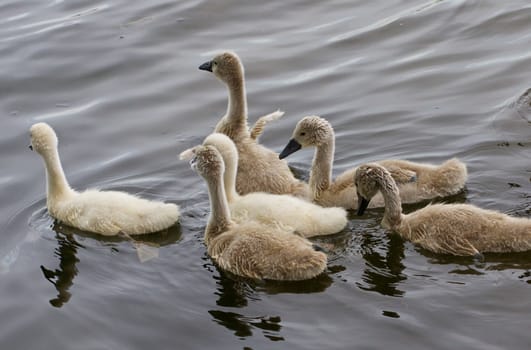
<point x="224" y="145"/>
<point x="207" y="162"/>
<point x="309" y="131"/>
<point x="43" y="138"/>
<point x="226" y="66"/>
<point x="368" y="179"/>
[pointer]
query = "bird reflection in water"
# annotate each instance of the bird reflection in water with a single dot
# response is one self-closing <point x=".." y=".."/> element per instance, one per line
<point x="63" y="277"/>
<point x="520" y="262"/>
<point x="234" y="291"/>
<point x="243" y="325"/>
<point x="383" y="272"/>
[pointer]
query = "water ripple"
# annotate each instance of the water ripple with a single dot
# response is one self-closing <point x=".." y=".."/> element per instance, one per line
<point x="40" y="27"/>
<point x="69" y="111"/>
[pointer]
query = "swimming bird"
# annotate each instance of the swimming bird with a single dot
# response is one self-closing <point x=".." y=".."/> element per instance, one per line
<point x="417" y="181"/>
<point x="457" y="229"/>
<point x="259" y="169"/>
<point x="306" y="218"/>
<point x="250" y="249"/>
<point x="105" y="212"/>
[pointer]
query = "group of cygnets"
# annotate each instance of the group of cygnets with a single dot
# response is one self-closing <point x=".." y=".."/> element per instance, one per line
<point x="261" y="216"/>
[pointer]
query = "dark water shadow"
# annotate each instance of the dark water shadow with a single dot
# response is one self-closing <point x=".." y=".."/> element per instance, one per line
<point x="520" y="262"/>
<point x="383" y="271"/>
<point x="235" y="292"/>
<point x="161" y="238"/>
<point x="63" y="277"/>
<point x="243" y="326"/>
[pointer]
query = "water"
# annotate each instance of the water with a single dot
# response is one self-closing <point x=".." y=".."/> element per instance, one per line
<point x="419" y="80"/>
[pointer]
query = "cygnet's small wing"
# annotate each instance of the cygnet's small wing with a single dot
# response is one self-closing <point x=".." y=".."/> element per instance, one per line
<point x="258" y="127"/>
<point x="402" y="176"/>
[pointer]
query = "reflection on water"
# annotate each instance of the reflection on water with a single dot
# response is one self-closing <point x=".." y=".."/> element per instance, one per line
<point x="519" y="262"/>
<point x="161" y="238"/>
<point x="317" y="284"/>
<point x="383" y="265"/>
<point x="235" y="291"/>
<point x="243" y="325"/>
<point x="63" y="277"/>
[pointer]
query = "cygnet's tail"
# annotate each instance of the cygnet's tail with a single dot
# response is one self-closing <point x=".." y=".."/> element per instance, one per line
<point x="258" y="127"/>
<point x="451" y="177"/>
<point x="331" y="220"/>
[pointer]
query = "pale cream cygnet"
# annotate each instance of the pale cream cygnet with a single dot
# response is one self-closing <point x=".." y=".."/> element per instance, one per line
<point x="306" y="218"/>
<point x="104" y="212"/>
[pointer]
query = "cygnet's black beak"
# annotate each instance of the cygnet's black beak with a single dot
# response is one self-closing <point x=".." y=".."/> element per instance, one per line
<point x="30" y="147"/>
<point x="362" y="205"/>
<point x="206" y="66"/>
<point x="292" y="147"/>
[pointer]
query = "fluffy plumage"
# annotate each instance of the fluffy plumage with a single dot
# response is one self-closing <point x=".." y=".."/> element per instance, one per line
<point x="104" y="212"/>
<point x="259" y="169"/>
<point x="416" y="181"/>
<point x="251" y="249"/>
<point x="458" y="229"/>
<point x="307" y="219"/>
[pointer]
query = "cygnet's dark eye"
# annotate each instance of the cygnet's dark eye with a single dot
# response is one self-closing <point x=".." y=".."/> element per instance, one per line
<point x="303" y="133"/>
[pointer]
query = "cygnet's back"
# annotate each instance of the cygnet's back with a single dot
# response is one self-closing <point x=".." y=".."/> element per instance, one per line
<point x="446" y="228"/>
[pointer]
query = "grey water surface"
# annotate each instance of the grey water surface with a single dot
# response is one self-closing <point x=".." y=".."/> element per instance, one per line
<point x="421" y="80"/>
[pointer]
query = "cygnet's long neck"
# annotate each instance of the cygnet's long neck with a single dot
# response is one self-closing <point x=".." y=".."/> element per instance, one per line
<point x="393" y="206"/>
<point x="219" y="220"/>
<point x="57" y="187"/>
<point x="236" y="116"/>
<point x="229" y="178"/>
<point x="321" y="173"/>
